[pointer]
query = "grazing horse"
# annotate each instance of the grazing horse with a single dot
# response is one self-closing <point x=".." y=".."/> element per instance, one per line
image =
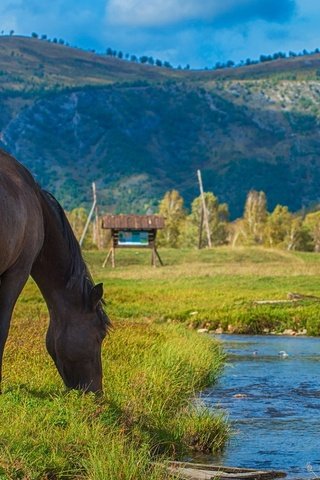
<point x="36" y="238"/>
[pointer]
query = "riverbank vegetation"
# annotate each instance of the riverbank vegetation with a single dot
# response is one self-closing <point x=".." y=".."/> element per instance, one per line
<point x="152" y="373"/>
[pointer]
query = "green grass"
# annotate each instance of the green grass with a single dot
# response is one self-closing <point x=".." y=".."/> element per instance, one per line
<point x="214" y="288"/>
<point x="154" y="362"/>
<point x="151" y="376"/>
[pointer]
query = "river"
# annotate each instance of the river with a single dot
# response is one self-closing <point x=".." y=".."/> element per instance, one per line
<point x="272" y="400"/>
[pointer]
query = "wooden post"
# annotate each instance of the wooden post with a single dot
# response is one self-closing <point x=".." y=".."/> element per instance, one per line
<point x="205" y="211"/>
<point x="200" y="229"/>
<point x="113" y="259"/>
<point x="157" y="254"/>
<point x="89" y="216"/>
<point x="96" y="225"/>
<point x="107" y="258"/>
<point x="153" y="257"/>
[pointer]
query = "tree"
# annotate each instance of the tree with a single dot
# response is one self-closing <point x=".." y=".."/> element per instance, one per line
<point x="218" y="215"/>
<point x="278" y="226"/>
<point x="312" y="223"/>
<point x="77" y="218"/>
<point x="299" y="237"/>
<point x="171" y="207"/>
<point x="255" y="216"/>
<point x="265" y="58"/>
<point x="34" y="35"/>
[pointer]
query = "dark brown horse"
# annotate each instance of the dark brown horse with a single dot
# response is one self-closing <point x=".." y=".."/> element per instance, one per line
<point x="36" y="238"/>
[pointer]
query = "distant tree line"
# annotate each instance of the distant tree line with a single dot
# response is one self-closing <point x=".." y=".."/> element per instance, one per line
<point x="277" y="229"/>
<point x="264" y="58"/>
<point x="145" y="59"/>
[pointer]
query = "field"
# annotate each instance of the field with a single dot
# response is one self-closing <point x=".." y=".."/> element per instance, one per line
<point x="154" y="362"/>
<point x="152" y="374"/>
<point x="215" y="288"/>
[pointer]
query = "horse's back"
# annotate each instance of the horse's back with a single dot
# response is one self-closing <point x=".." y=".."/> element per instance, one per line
<point x="21" y="222"/>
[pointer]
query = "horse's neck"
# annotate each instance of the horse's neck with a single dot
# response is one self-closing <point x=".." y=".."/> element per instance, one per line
<point x="50" y="269"/>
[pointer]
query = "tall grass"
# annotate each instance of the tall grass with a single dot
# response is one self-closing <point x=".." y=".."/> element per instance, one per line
<point x="152" y="373"/>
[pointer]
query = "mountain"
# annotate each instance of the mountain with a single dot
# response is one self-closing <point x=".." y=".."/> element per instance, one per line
<point x="73" y="117"/>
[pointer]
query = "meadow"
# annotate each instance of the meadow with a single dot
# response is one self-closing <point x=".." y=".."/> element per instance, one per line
<point x="155" y="362"/>
<point x="215" y="288"/>
<point x="152" y="374"/>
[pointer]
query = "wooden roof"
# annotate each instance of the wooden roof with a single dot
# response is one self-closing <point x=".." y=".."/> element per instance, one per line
<point x="133" y="222"/>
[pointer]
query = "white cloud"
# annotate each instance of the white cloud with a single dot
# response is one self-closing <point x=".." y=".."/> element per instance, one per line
<point x="148" y="13"/>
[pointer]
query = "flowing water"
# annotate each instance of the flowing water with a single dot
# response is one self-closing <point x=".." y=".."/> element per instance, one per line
<point x="273" y="402"/>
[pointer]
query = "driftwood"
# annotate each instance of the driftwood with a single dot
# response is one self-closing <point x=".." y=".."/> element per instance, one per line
<point x="199" y="471"/>
<point x="301" y="296"/>
<point x="291" y="298"/>
<point x="273" y="302"/>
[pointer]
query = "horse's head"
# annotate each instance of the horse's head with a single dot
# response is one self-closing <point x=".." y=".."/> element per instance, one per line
<point x="74" y="342"/>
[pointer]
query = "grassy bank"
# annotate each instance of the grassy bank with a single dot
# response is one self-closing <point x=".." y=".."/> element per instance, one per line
<point x="152" y="373"/>
<point x="215" y="288"/>
<point x="153" y="364"/>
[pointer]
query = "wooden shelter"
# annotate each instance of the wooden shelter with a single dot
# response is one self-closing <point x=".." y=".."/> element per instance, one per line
<point x="133" y="231"/>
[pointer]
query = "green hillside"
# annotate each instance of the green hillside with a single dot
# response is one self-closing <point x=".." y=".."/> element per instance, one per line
<point x="74" y="117"/>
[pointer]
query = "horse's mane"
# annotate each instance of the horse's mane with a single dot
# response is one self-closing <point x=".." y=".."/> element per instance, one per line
<point x="77" y="273"/>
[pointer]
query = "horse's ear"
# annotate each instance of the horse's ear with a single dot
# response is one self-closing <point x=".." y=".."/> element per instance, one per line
<point x="96" y="294"/>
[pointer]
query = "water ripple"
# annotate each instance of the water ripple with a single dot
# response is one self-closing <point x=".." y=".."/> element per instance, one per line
<point x="273" y="402"/>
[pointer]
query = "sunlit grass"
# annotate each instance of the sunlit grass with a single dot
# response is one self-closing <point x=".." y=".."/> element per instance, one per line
<point x="154" y="363"/>
<point x="151" y="376"/>
<point x="215" y="288"/>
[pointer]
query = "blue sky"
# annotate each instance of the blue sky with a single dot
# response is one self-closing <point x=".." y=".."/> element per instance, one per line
<point x="197" y="32"/>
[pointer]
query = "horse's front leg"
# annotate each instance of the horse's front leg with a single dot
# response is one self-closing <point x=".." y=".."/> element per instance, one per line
<point x="12" y="282"/>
